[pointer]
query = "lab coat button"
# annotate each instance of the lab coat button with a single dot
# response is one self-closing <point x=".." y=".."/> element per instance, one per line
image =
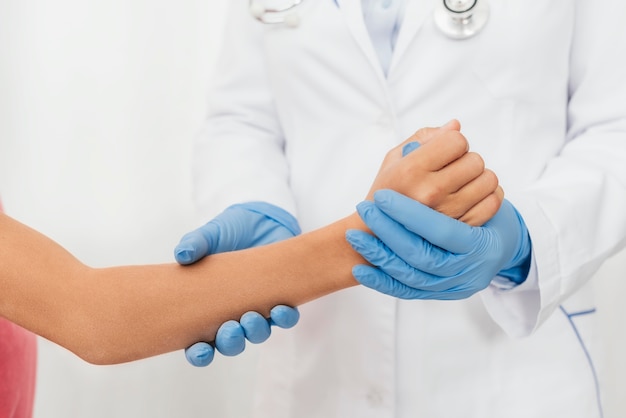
<point x="374" y="397"/>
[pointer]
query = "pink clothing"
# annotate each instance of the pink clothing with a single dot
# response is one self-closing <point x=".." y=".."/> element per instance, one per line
<point x="18" y="364"/>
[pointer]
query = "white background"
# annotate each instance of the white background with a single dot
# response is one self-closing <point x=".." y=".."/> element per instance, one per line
<point x="99" y="104"/>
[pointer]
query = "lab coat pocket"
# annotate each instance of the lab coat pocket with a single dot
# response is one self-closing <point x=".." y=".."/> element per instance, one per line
<point x="581" y="323"/>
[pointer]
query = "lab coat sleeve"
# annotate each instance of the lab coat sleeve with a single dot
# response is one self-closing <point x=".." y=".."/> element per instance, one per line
<point x="575" y="211"/>
<point x="239" y="153"/>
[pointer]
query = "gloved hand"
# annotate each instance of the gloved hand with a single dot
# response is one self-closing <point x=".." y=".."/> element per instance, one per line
<point x="420" y="253"/>
<point x="238" y="227"/>
<point x="231" y="336"/>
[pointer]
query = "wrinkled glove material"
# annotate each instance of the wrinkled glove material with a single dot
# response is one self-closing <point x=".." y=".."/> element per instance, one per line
<point x="419" y="253"/>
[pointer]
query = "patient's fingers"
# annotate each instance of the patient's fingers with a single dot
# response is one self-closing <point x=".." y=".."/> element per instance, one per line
<point x="424" y="135"/>
<point x="440" y="189"/>
<point x="484" y="210"/>
<point x="442" y="149"/>
<point x="461" y="172"/>
<point x="460" y="202"/>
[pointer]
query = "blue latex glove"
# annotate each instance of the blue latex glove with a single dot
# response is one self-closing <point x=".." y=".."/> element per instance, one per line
<point x="239" y="226"/>
<point x="409" y="148"/>
<point x="420" y="253"/>
<point x="231" y="336"/>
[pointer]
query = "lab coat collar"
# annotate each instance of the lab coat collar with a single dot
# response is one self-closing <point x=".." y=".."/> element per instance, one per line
<point x="353" y="14"/>
<point x="416" y="12"/>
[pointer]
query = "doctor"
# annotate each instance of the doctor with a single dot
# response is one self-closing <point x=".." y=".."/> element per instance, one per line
<point x="298" y="113"/>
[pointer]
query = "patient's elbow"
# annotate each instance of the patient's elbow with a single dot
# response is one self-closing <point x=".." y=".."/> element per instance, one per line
<point x="98" y="344"/>
<point x="98" y="356"/>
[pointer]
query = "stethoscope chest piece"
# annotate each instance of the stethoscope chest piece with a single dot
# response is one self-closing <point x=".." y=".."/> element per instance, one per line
<point x="461" y="19"/>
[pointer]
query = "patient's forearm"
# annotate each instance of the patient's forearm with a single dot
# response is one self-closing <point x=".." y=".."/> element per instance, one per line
<point x="120" y="314"/>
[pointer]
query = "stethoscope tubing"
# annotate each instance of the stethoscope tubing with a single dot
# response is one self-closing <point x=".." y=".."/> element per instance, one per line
<point x="455" y="24"/>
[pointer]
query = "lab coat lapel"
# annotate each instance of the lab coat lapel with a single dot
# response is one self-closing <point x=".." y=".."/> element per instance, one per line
<point x="353" y="15"/>
<point x="416" y="12"/>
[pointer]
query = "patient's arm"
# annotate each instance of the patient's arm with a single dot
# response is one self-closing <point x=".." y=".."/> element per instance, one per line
<point x="119" y="314"/>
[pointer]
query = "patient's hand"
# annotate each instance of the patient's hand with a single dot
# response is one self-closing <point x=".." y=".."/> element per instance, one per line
<point x="443" y="175"/>
<point x="418" y="253"/>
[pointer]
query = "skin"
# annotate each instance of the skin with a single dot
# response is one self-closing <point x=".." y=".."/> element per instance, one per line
<point x="119" y="314"/>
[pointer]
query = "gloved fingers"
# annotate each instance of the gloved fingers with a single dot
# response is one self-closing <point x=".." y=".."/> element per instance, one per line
<point x="255" y="326"/>
<point x="380" y="256"/>
<point x="410" y="247"/>
<point x="438" y="229"/>
<point x="377" y="280"/>
<point x="372" y="249"/>
<point x="284" y="316"/>
<point x="192" y="247"/>
<point x="230" y="339"/>
<point x="200" y="354"/>
<point x="409" y="147"/>
<point x="509" y="230"/>
<point x="484" y="210"/>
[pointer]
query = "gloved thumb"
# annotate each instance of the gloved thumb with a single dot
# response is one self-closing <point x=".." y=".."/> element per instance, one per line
<point x="192" y="247"/>
<point x="438" y="229"/>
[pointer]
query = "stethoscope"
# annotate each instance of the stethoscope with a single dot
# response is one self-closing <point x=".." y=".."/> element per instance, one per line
<point x="270" y="16"/>
<point x="457" y="19"/>
<point x="461" y="19"/>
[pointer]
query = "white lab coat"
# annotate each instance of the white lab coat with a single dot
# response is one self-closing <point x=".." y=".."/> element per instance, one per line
<point x="302" y="118"/>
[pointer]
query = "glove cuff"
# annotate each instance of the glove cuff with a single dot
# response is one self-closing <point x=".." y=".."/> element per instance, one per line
<point x="273" y="212"/>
